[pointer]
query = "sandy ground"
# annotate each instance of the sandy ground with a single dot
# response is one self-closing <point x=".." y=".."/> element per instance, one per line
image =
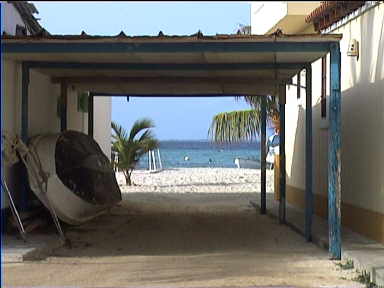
<point x="182" y="240"/>
<point x="182" y="180"/>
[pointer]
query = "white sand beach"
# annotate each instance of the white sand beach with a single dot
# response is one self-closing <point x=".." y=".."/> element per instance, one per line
<point x="184" y="180"/>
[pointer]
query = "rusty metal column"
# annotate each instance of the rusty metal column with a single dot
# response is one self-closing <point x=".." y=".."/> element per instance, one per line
<point x="263" y="156"/>
<point x="282" y="203"/>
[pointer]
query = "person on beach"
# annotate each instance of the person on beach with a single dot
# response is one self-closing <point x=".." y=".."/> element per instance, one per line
<point x="273" y="147"/>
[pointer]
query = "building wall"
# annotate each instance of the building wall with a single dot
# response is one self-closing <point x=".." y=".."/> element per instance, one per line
<point x="264" y="15"/>
<point x="289" y="16"/>
<point x="11" y="18"/>
<point x="102" y="123"/>
<point x="362" y="85"/>
<point x="43" y="99"/>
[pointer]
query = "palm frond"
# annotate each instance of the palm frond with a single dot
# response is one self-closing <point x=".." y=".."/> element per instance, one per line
<point x="235" y="126"/>
<point x="140" y="125"/>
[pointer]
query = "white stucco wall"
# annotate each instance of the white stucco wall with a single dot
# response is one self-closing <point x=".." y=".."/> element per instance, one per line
<point x="9" y="112"/>
<point x="102" y="123"/>
<point x="11" y="18"/>
<point x="362" y="85"/>
<point x="76" y="120"/>
<point x="43" y="97"/>
<point x="264" y="15"/>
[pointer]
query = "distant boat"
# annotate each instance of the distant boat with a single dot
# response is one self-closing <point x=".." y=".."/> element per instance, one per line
<point x="247" y="163"/>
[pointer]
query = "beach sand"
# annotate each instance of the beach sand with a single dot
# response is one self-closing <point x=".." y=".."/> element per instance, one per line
<point x="183" y="180"/>
<point x="170" y="239"/>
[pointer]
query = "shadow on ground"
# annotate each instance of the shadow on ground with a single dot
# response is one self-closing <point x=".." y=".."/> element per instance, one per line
<point x="170" y="224"/>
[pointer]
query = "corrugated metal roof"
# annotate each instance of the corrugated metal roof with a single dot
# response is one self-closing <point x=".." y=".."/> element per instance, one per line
<point x="197" y="36"/>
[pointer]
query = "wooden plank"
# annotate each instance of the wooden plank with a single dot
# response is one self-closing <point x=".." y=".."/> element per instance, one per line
<point x="263" y="156"/>
<point x="90" y="114"/>
<point x="63" y="106"/>
<point x="282" y="203"/>
<point x="308" y="156"/>
<point x="334" y="161"/>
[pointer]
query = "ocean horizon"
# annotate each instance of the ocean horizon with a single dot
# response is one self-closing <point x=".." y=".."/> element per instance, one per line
<point x="202" y="153"/>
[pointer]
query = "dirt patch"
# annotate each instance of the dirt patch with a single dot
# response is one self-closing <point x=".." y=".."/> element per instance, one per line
<point x="182" y="240"/>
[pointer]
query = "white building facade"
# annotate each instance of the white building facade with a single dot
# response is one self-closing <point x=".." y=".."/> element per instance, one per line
<point x="362" y="80"/>
<point x="44" y="96"/>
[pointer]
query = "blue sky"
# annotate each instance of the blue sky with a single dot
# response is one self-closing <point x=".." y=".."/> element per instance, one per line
<point x="175" y="118"/>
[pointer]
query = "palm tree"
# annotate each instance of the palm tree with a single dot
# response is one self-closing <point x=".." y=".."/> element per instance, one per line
<point x="242" y="125"/>
<point x="131" y="147"/>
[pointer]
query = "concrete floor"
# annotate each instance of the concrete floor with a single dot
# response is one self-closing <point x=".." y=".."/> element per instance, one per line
<point x="182" y="240"/>
<point x="366" y="254"/>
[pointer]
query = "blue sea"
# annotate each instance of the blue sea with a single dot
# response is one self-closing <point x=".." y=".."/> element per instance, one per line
<point x="202" y="154"/>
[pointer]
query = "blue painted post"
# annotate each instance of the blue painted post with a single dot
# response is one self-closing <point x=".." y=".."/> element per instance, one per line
<point x="90" y="114"/>
<point x="24" y="102"/>
<point x="334" y="161"/>
<point x="63" y="106"/>
<point x="282" y="204"/>
<point x="24" y="199"/>
<point x="263" y="155"/>
<point x="308" y="155"/>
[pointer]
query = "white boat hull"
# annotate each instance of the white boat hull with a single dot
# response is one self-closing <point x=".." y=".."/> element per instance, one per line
<point x="69" y="207"/>
<point x="247" y="163"/>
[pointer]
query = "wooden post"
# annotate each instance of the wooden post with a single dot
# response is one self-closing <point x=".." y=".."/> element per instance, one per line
<point x="282" y="203"/>
<point x="90" y="114"/>
<point x="334" y="158"/>
<point x="308" y="154"/>
<point x="63" y="106"/>
<point x="263" y="155"/>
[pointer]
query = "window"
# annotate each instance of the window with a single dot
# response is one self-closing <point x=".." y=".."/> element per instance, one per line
<point x="324" y="87"/>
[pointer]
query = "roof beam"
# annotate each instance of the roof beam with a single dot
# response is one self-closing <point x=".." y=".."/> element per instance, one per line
<point x="164" y="66"/>
<point x="163" y="80"/>
<point x="162" y="47"/>
<point x="172" y="88"/>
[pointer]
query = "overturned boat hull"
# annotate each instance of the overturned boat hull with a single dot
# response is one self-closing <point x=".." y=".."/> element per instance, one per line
<point x="84" y="184"/>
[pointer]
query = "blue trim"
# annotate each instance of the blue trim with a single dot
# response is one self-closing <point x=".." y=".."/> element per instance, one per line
<point x="2" y="220"/>
<point x="165" y="47"/>
<point x="168" y="66"/>
<point x="334" y="156"/>
<point x="24" y="101"/>
<point x="282" y="204"/>
<point x="263" y="156"/>
<point x="24" y="134"/>
<point x="308" y="155"/>
<point x="91" y="113"/>
<point x="205" y="95"/>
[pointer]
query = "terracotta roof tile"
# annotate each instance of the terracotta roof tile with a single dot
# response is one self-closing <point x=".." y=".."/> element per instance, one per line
<point x="329" y="12"/>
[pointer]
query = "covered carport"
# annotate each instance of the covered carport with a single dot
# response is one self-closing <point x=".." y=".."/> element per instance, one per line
<point x="197" y="65"/>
